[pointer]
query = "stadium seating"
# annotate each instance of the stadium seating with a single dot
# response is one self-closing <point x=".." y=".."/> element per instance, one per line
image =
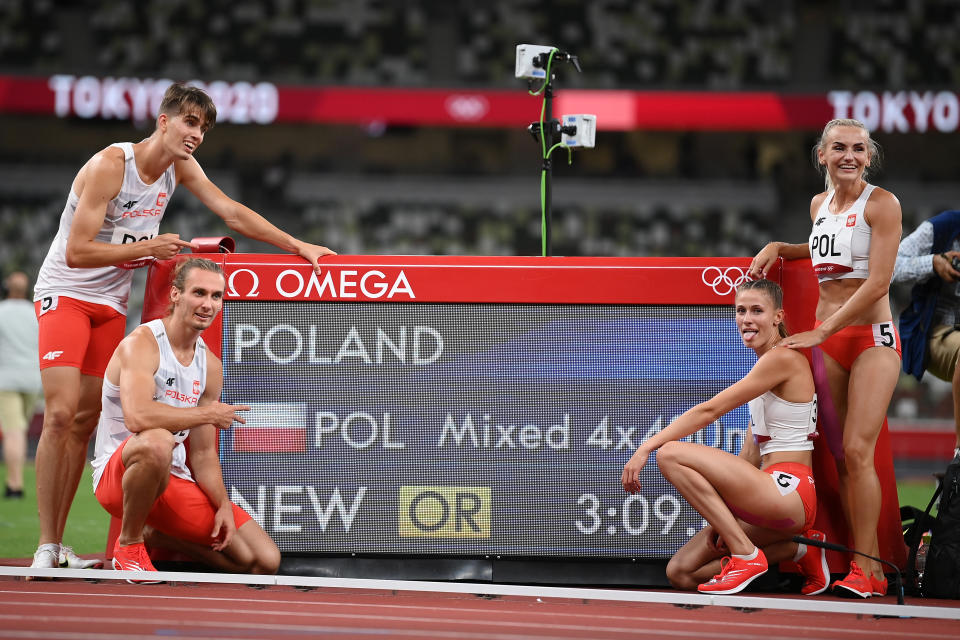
<point x="716" y="44"/>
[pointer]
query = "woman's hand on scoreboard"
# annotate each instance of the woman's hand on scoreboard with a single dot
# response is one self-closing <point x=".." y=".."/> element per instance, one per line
<point x="764" y="260"/>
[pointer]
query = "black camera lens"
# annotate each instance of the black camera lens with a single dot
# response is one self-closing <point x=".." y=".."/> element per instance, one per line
<point x="955" y="263"/>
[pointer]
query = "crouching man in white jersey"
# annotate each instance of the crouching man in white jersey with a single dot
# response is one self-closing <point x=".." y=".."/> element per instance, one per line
<point x="109" y="226"/>
<point x="161" y="388"/>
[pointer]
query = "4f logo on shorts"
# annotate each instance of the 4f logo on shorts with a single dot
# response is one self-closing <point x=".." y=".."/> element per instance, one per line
<point x="52" y="355"/>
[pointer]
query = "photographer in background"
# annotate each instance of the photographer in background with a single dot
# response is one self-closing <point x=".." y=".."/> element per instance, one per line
<point x="19" y="377"/>
<point x="929" y="258"/>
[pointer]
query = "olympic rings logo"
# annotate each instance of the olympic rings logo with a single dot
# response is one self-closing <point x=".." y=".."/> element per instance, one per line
<point x="467" y="108"/>
<point x="725" y="281"/>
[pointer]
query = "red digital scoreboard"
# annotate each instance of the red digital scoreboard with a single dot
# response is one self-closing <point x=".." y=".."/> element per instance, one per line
<point x="480" y="408"/>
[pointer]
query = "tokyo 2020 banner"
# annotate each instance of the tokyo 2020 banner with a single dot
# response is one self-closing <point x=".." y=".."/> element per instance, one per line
<point x="129" y="98"/>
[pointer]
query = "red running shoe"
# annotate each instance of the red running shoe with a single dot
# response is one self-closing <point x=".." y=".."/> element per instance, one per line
<point x="813" y="566"/>
<point x="735" y="575"/>
<point x="878" y="587"/>
<point x="855" y="585"/>
<point x="133" y="558"/>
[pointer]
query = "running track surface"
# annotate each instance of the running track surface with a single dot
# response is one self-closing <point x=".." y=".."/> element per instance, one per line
<point x="76" y="609"/>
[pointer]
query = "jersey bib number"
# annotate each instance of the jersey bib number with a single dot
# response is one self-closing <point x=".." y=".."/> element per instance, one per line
<point x="831" y="252"/>
<point x="884" y="335"/>
<point x="124" y="235"/>
<point x="48" y="303"/>
<point x="786" y="482"/>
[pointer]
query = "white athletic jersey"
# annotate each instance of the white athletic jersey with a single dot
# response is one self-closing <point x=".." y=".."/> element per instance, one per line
<point x="779" y="425"/>
<point x="840" y="242"/>
<point x="133" y="215"/>
<point x="174" y="384"/>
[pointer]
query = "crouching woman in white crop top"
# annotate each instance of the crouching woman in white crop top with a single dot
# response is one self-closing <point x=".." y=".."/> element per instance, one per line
<point x="756" y="502"/>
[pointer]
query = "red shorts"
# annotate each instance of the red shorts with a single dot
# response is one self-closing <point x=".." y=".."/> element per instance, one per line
<point x="78" y="334"/>
<point x="182" y="510"/>
<point x="793" y="476"/>
<point x="845" y="345"/>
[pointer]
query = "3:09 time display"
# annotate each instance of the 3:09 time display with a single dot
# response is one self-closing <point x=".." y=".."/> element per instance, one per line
<point x="636" y="512"/>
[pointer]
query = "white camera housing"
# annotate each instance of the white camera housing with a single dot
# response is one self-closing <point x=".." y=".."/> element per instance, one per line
<point x="526" y="54"/>
<point x="586" y="135"/>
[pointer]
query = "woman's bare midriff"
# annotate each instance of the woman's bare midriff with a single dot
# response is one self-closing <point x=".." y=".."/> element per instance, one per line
<point x="799" y="457"/>
<point x="834" y="293"/>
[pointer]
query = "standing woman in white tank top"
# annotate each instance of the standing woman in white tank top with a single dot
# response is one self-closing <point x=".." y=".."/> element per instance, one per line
<point x="856" y="232"/>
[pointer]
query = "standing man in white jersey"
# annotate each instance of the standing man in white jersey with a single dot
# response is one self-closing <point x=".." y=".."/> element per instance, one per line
<point x="109" y="226"/>
<point x="160" y="388"/>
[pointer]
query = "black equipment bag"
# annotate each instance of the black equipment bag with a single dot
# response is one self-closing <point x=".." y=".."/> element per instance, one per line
<point x="941" y="576"/>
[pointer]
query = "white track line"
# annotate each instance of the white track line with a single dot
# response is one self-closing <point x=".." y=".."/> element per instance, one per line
<point x="329" y="610"/>
<point x="535" y="591"/>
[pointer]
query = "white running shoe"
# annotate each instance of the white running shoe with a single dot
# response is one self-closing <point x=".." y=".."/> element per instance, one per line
<point x="70" y="560"/>
<point x="45" y="557"/>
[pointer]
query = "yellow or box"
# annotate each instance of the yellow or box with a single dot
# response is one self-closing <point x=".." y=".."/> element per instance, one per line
<point x="444" y="512"/>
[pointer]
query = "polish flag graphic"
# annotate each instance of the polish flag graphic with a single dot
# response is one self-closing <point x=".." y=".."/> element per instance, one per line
<point x="272" y="427"/>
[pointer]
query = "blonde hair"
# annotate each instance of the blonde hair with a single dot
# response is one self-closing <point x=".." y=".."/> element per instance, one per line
<point x="874" y="151"/>
<point x="773" y="291"/>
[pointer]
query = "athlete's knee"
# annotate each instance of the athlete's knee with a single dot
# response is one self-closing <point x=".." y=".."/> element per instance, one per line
<point x="679" y="576"/>
<point x="153" y="448"/>
<point x="858" y="454"/>
<point x="58" y="417"/>
<point x="669" y="455"/>
<point x="258" y="553"/>
<point x="267" y="561"/>
<point x="85" y="421"/>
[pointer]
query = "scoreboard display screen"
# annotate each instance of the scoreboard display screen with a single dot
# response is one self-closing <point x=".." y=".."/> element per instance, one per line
<point x="482" y="408"/>
<point x="468" y="429"/>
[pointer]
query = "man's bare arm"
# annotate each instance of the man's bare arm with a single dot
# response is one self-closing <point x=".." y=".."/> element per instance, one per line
<point x="243" y="219"/>
<point x="101" y="178"/>
<point x="138" y="358"/>
<point x="205" y="463"/>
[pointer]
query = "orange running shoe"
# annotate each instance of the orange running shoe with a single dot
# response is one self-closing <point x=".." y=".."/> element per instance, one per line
<point x="133" y="557"/>
<point x="878" y="587"/>
<point x="735" y="575"/>
<point x="813" y="566"/>
<point x="855" y="585"/>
